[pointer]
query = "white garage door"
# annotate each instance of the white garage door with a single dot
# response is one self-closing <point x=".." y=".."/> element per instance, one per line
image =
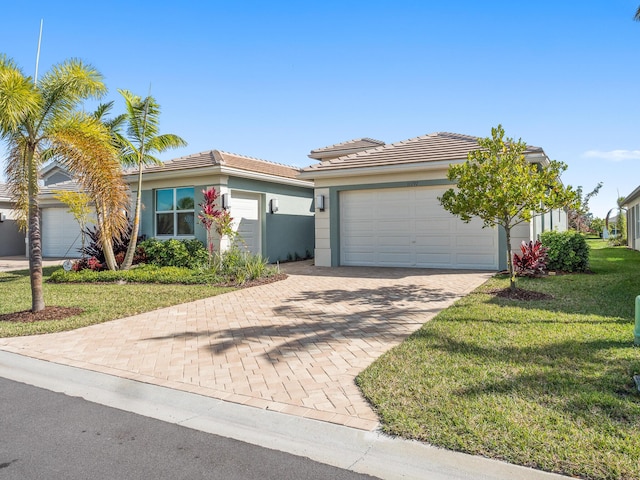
<point x="407" y="227"/>
<point x="245" y="210"/>
<point x="60" y="233"/>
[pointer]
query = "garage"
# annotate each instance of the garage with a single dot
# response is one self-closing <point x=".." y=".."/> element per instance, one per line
<point x="407" y="227"/>
<point x="60" y="233"/>
<point x="245" y="211"/>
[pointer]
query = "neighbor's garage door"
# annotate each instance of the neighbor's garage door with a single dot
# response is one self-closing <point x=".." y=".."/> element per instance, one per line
<point x="245" y="210"/>
<point x="60" y="233"/>
<point x="407" y="227"/>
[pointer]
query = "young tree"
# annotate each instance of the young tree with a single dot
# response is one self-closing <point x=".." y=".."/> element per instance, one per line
<point x="500" y="186"/>
<point x="36" y="116"/>
<point x="137" y="148"/>
<point x="579" y="216"/>
<point x="78" y="203"/>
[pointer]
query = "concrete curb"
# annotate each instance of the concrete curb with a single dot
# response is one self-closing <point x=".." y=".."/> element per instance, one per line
<point x="371" y="453"/>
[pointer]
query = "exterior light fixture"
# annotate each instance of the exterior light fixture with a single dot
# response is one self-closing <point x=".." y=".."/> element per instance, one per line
<point x="226" y="201"/>
<point x="273" y="205"/>
<point x="320" y="202"/>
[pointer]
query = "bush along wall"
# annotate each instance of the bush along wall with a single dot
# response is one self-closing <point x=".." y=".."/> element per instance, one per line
<point x="566" y="251"/>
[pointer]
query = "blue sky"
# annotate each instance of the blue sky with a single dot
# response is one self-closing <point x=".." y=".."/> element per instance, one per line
<point x="276" y="79"/>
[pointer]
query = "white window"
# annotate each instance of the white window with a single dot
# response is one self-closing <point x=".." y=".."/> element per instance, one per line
<point x="175" y="215"/>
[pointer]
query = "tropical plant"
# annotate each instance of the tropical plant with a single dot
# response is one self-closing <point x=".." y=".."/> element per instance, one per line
<point x="533" y="259"/>
<point x="137" y="147"/>
<point x="620" y="222"/>
<point x="499" y="185"/>
<point x="40" y="115"/>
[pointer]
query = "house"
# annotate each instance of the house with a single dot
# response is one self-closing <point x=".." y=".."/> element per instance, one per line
<point x="632" y="204"/>
<point x="377" y="205"/>
<point x="11" y="238"/>
<point x="272" y="209"/>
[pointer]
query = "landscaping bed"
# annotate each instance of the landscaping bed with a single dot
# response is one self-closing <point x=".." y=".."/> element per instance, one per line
<point x="543" y="383"/>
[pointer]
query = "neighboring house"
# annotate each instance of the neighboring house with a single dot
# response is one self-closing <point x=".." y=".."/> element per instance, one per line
<point x="378" y="206"/>
<point x="54" y="172"/>
<point x="272" y="209"/>
<point x="11" y="238"/>
<point x="632" y="204"/>
<point x="60" y="231"/>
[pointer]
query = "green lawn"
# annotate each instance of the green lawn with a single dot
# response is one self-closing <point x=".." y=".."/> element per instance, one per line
<point x="100" y="302"/>
<point x="546" y="384"/>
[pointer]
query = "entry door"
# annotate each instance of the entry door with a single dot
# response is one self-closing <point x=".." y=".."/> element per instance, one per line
<point x="245" y="210"/>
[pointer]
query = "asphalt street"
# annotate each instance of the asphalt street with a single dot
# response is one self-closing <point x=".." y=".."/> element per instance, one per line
<point x="48" y="435"/>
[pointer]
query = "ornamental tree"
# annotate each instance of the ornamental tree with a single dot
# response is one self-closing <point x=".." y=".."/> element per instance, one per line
<point x="498" y="184"/>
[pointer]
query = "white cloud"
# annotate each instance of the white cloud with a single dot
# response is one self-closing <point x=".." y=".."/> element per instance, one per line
<point x="613" y="155"/>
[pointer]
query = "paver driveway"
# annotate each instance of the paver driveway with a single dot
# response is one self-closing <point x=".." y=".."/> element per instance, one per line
<point x="293" y="346"/>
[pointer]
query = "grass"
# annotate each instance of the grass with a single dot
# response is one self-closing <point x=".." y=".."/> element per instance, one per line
<point x="545" y="384"/>
<point x="100" y="302"/>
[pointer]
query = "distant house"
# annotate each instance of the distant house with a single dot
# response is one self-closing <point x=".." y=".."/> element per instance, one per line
<point x="632" y="204"/>
<point x="272" y="208"/>
<point x="11" y="238"/>
<point x="377" y="205"/>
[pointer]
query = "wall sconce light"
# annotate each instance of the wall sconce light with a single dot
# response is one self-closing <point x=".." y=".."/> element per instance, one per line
<point x="3" y="217"/>
<point x="320" y="202"/>
<point x="273" y="205"/>
<point x="226" y="201"/>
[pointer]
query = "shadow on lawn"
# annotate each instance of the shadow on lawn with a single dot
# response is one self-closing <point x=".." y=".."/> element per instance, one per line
<point x="388" y="314"/>
<point x="569" y="374"/>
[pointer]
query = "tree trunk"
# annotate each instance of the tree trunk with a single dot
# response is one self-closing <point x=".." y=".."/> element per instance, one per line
<point x="512" y="278"/>
<point x="35" y="241"/>
<point x="133" y="241"/>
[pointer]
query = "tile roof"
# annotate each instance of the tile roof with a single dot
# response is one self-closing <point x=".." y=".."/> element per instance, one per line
<point x="427" y="148"/>
<point x="632" y="196"/>
<point x="345" y="148"/>
<point x="215" y="158"/>
<point x="67" y="185"/>
<point x="5" y="193"/>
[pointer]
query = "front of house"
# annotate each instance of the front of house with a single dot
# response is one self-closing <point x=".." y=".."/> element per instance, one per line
<point x="271" y="208"/>
<point x="377" y="205"/>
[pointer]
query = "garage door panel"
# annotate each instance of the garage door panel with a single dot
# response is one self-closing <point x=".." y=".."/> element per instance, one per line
<point x="408" y="227"/>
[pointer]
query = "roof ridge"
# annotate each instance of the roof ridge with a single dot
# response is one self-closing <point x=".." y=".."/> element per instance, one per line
<point x="248" y="157"/>
<point x="347" y="142"/>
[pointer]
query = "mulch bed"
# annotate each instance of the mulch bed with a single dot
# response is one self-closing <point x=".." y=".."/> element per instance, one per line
<point x="60" y="313"/>
<point x="48" y="314"/>
<point x="520" y="294"/>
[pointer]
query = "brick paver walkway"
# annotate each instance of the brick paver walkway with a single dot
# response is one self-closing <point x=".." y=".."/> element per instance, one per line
<point x="293" y="346"/>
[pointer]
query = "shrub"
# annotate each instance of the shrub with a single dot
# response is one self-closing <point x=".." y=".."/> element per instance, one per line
<point x="532" y="262"/>
<point x="175" y="253"/>
<point x="566" y="251"/>
<point x="141" y="274"/>
<point x="94" y="248"/>
<point x="241" y="266"/>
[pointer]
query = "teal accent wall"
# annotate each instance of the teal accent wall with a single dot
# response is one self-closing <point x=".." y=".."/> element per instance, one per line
<point x="289" y="231"/>
<point x="334" y="204"/>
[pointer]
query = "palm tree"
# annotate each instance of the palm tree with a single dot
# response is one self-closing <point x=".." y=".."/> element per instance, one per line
<point x="36" y="116"/>
<point x="141" y="141"/>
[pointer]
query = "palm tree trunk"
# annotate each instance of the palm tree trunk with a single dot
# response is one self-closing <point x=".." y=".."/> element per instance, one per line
<point x="133" y="241"/>
<point x="105" y="238"/>
<point x="35" y="241"/>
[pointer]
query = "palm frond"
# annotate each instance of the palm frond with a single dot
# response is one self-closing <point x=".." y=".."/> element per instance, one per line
<point x="636" y="17"/>
<point x="20" y="173"/>
<point x="85" y="147"/>
<point x="19" y="99"/>
<point x="66" y="85"/>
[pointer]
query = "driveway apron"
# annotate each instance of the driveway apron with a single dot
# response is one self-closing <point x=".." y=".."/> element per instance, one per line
<point x="293" y="346"/>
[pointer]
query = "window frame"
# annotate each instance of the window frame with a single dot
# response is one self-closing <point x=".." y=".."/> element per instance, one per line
<point x="175" y="212"/>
